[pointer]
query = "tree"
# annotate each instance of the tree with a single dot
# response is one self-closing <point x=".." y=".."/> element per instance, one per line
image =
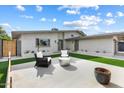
<point x="3" y="34"/>
<point x="2" y="31"/>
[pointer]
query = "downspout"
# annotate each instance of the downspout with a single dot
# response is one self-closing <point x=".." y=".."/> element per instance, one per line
<point x="63" y="40"/>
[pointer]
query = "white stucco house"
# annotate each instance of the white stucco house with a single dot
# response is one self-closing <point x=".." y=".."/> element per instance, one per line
<point x="48" y="41"/>
<point x="52" y="41"/>
<point x="109" y="44"/>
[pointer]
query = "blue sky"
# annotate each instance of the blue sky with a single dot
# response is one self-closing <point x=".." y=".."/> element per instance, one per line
<point x="90" y="19"/>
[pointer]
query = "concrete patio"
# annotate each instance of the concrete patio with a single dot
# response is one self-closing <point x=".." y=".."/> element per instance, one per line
<point x="80" y="74"/>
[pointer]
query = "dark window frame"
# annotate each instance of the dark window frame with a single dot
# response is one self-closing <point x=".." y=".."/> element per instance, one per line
<point x="42" y="42"/>
<point x="121" y="46"/>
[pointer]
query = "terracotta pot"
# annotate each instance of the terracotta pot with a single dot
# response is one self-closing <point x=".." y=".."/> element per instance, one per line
<point x="102" y="75"/>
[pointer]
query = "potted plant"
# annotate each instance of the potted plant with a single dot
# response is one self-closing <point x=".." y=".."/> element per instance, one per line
<point x="102" y="75"/>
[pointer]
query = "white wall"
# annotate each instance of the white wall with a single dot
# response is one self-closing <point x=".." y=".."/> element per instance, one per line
<point x="70" y="45"/>
<point x="93" y="45"/>
<point x="68" y="34"/>
<point x="29" y="42"/>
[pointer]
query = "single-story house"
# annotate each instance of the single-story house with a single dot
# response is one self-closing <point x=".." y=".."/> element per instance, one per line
<point x="52" y="41"/>
<point x="48" y="41"/>
<point x="108" y="44"/>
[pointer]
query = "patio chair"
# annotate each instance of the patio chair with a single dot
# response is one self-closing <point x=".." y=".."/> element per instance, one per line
<point x="42" y="61"/>
<point x="64" y="59"/>
<point x="64" y="53"/>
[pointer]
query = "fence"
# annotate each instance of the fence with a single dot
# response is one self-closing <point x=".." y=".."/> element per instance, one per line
<point x="1" y="48"/>
<point x="9" y="46"/>
<point x="13" y="45"/>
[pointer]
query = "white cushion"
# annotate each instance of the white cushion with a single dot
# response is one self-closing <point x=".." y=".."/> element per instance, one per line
<point x="48" y="58"/>
<point x="64" y="58"/>
<point x="64" y="53"/>
<point x="39" y="55"/>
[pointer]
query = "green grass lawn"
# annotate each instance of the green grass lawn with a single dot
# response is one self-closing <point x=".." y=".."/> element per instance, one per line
<point x="4" y="67"/>
<point x="110" y="61"/>
<point x="3" y="73"/>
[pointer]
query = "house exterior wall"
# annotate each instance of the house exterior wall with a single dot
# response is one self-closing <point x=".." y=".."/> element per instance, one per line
<point x="99" y="47"/>
<point x="28" y="42"/>
<point x="70" y="45"/>
<point x="69" y="35"/>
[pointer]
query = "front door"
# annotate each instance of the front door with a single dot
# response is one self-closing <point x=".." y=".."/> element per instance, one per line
<point x="76" y="45"/>
<point x="60" y="45"/>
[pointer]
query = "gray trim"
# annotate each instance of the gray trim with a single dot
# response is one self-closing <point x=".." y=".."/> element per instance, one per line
<point x="18" y="48"/>
<point x="98" y="36"/>
<point x="17" y="34"/>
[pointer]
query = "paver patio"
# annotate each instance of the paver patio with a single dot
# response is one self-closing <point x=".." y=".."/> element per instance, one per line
<point x="80" y="74"/>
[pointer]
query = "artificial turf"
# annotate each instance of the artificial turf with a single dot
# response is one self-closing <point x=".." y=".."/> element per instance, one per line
<point x="115" y="62"/>
<point x="3" y="73"/>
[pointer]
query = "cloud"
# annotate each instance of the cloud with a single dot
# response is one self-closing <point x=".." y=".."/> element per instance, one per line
<point x="7" y="26"/>
<point x="54" y="19"/>
<point x="78" y="7"/>
<point x="109" y="14"/>
<point x="97" y="28"/>
<point x="43" y="19"/>
<point x="72" y="12"/>
<point x="75" y="9"/>
<point x="20" y="8"/>
<point x="110" y="21"/>
<point x="27" y="16"/>
<point x="39" y="8"/>
<point x="108" y="31"/>
<point x="120" y="14"/>
<point x="85" y="22"/>
<point x="17" y="28"/>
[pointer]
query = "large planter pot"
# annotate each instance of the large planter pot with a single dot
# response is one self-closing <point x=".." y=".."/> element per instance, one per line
<point x="102" y="75"/>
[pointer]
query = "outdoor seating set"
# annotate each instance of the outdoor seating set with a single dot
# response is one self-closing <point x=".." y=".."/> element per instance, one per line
<point x="45" y="61"/>
<point x="102" y="75"/>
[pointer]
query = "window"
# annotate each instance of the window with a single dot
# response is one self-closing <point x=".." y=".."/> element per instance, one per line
<point x="121" y="46"/>
<point x="42" y="42"/>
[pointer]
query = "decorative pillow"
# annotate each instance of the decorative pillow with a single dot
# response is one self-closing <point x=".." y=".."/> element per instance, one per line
<point x="64" y="53"/>
<point x="48" y="58"/>
<point x="39" y="55"/>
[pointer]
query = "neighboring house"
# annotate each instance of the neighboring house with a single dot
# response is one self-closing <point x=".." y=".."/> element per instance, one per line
<point x="108" y="44"/>
<point x="47" y="41"/>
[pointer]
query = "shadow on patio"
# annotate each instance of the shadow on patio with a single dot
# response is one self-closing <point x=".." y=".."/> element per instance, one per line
<point x="70" y="68"/>
<point x="112" y="85"/>
<point x="44" y="70"/>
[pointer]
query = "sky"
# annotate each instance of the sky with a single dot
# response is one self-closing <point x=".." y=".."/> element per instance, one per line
<point x="96" y="19"/>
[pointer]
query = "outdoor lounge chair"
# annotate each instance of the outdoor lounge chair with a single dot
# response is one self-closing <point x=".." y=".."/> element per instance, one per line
<point x="42" y="61"/>
<point x="64" y="59"/>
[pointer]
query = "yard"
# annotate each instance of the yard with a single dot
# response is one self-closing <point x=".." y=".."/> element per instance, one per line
<point x="4" y="65"/>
